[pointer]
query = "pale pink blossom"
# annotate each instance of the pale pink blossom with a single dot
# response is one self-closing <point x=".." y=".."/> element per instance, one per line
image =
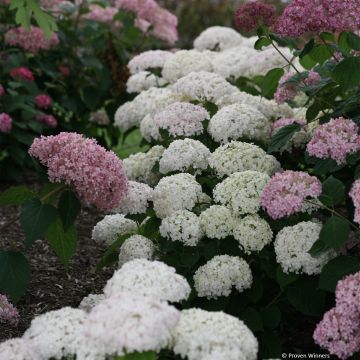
<point x="101" y="14"/>
<point x="278" y="124"/>
<point x="43" y="101"/>
<point x="8" y="312"/>
<point x="97" y="175"/>
<point x="5" y="123"/>
<point x="355" y="196"/>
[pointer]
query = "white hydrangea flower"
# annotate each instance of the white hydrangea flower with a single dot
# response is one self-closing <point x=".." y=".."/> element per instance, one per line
<point x="137" y="199"/>
<point x="146" y="103"/>
<point x="136" y="247"/>
<point x="18" y="349"/>
<point x="90" y="301"/>
<point x="182" y="225"/>
<point x="250" y="41"/>
<point x="217" y="222"/>
<point x="218" y="276"/>
<point x="58" y="334"/>
<point x="217" y="38"/>
<point x="111" y="227"/>
<point x="129" y="323"/>
<point x="176" y="192"/>
<point x="239" y="156"/>
<point x="149" y="129"/>
<point x="232" y="63"/>
<point x="292" y="244"/>
<point x="142" y="81"/>
<point x="138" y="167"/>
<point x="200" y="335"/>
<point x="149" y="60"/>
<point x="204" y="86"/>
<point x="184" y="62"/>
<point x="241" y="191"/>
<point x="182" y="155"/>
<point x="253" y="233"/>
<point x="239" y="121"/>
<point x="148" y="278"/>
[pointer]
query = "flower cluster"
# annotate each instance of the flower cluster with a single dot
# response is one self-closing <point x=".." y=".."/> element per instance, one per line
<point x="6" y="123"/>
<point x="101" y="14"/>
<point x="355" y="196"/>
<point x="143" y="80"/>
<point x="43" y="101"/>
<point x="97" y="175"/>
<point x="22" y="73"/>
<point x="149" y="61"/>
<point x="8" y="313"/>
<point x="18" y="349"/>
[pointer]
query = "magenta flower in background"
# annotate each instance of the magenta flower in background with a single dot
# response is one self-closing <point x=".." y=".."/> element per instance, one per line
<point x="22" y="73"/>
<point x="252" y="14"/>
<point x="286" y="192"/>
<point x="97" y="175"/>
<point x="64" y="70"/>
<point x="8" y="312"/>
<point x="49" y="120"/>
<point x="335" y="140"/>
<point x="43" y="101"/>
<point x="2" y="90"/>
<point x="33" y="40"/>
<point x="5" y="123"/>
<point x="355" y="196"/>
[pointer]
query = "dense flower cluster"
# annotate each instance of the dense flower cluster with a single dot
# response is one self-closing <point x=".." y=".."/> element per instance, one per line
<point x="355" y="196"/>
<point x="2" y="90"/>
<point x="8" y="312"/>
<point x="143" y="80"/>
<point x="97" y="175"/>
<point x="6" y="123"/>
<point x="18" y="349"/>
<point x="22" y="73"/>
<point x="33" y="40"/>
<point x="49" y="120"/>
<point x="286" y="192"/>
<point x="43" y="101"/>
<point x="149" y="61"/>
<point x="335" y="140"/>
<point x="101" y="14"/>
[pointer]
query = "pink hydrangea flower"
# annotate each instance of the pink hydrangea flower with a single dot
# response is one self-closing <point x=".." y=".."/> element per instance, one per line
<point x="8" y="312"/>
<point x="355" y="196"/>
<point x="316" y="16"/>
<point x="97" y="175"/>
<point x="33" y="40"/>
<point x="2" y="90"/>
<point x="101" y="14"/>
<point x="5" y="123"/>
<point x="254" y="13"/>
<point x="348" y="292"/>
<point x="278" y="124"/>
<point x="48" y="120"/>
<point x="286" y="192"/>
<point x="22" y="73"/>
<point x="43" y="101"/>
<point x="335" y="140"/>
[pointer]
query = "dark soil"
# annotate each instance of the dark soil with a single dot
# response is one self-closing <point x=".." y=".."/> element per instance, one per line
<point x="51" y="286"/>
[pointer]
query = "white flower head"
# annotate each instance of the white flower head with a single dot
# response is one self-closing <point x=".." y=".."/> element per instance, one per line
<point x="217" y="38"/>
<point x="90" y="301"/>
<point x="148" y="278"/>
<point x="182" y="155"/>
<point x="217" y="222"/>
<point x="137" y="200"/>
<point x="128" y="323"/>
<point x="239" y="156"/>
<point x="182" y="225"/>
<point x="200" y="335"/>
<point x="18" y="349"/>
<point x="241" y="191"/>
<point x="220" y="274"/>
<point x="239" y="121"/>
<point x="176" y="192"/>
<point x="142" y="81"/>
<point x="149" y="60"/>
<point x="136" y="247"/>
<point x="292" y="245"/>
<point x="184" y="62"/>
<point x="111" y="227"/>
<point x="253" y="233"/>
<point x="149" y="129"/>
<point x="138" y="167"/>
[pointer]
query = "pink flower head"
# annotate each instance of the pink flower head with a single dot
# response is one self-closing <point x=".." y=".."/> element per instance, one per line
<point x="348" y="292"/>
<point x="278" y="124"/>
<point x="43" y="101"/>
<point x="65" y="71"/>
<point x="8" y="312"/>
<point x="101" y="14"/>
<point x="286" y="192"/>
<point x="48" y="120"/>
<point x="2" y="90"/>
<point x="355" y="196"/>
<point x="315" y="16"/>
<point x="22" y="73"/>
<point x="5" y="123"/>
<point x="97" y="175"/>
<point x="254" y="13"/>
<point x="339" y="332"/>
<point x="312" y="78"/>
<point x="335" y="140"/>
<point x="33" y="40"/>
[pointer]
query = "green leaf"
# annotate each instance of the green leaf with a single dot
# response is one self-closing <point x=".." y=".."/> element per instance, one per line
<point x="318" y="248"/>
<point x="335" y="232"/>
<point x="69" y="208"/>
<point x="15" y="274"/>
<point x="16" y="195"/>
<point x="271" y="316"/>
<point x="333" y="192"/>
<point x="306" y="298"/>
<point x="269" y="345"/>
<point x="63" y="242"/>
<point x="149" y="355"/>
<point x="256" y="291"/>
<point x="282" y="137"/>
<point x="35" y="219"/>
<point x="320" y="53"/>
<point x="252" y="319"/>
<point x="323" y="167"/>
<point x="284" y="279"/>
<point x="307" y="48"/>
<point x="347" y="73"/>
<point x="189" y="256"/>
<point x="337" y="269"/>
<point x="354" y="41"/>
<point x="357" y="172"/>
<point x="261" y="42"/>
<point x="271" y="82"/>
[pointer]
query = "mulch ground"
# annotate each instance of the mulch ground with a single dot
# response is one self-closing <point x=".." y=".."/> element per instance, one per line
<point x="52" y="287"/>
